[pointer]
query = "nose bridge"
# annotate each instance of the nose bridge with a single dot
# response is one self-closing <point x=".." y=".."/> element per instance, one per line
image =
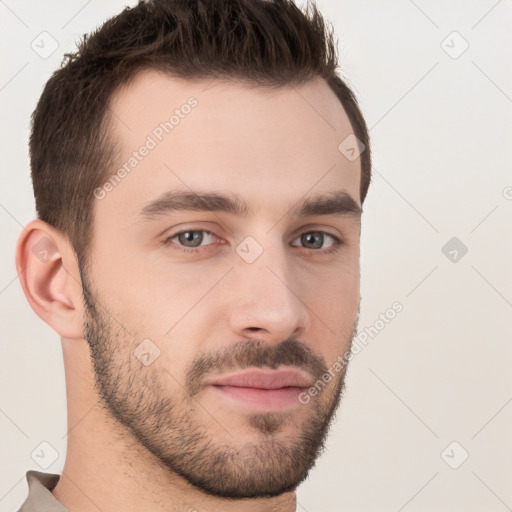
<point x="265" y="290"/>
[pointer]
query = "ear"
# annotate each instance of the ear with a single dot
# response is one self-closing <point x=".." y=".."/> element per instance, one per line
<point x="48" y="272"/>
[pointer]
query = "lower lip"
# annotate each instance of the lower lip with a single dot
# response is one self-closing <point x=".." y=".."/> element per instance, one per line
<point x="261" y="399"/>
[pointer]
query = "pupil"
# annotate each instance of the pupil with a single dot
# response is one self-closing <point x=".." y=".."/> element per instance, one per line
<point x="310" y="238"/>
<point x="192" y="236"/>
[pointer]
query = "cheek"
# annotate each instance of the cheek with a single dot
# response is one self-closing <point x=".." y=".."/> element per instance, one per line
<point x="337" y="312"/>
<point x="146" y="294"/>
<point x="335" y="289"/>
<point x="335" y="308"/>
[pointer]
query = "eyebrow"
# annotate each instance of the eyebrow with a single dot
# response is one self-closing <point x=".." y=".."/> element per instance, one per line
<point x="338" y="203"/>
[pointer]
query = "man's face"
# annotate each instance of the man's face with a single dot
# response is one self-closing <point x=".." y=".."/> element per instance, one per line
<point x="180" y="300"/>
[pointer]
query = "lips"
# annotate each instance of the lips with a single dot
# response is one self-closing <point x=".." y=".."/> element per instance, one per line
<point x="265" y="379"/>
<point x="262" y="390"/>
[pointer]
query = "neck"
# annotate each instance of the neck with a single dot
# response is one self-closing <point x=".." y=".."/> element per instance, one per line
<point x="107" y="469"/>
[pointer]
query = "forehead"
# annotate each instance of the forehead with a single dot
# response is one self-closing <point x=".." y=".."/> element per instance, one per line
<point x="268" y="145"/>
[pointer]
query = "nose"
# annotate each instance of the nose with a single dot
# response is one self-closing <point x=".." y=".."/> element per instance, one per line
<point x="268" y="302"/>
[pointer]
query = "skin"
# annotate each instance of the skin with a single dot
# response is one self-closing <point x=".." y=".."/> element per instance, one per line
<point x="272" y="148"/>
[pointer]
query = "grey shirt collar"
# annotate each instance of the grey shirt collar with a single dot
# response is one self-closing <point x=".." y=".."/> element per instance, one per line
<point x="39" y="498"/>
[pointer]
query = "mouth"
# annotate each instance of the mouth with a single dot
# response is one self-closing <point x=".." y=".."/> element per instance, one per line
<point x="262" y="390"/>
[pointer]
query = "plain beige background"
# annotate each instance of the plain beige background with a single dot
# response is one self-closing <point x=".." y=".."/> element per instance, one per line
<point x="425" y="424"/>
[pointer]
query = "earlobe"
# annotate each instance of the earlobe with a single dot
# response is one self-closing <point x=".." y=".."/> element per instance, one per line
<point x="49" y="276"/>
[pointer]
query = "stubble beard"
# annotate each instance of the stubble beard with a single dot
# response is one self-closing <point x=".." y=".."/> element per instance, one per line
<point x="135" y="396"/>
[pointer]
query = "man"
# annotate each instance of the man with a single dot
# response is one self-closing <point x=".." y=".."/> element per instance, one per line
<point x="199" y="171"/>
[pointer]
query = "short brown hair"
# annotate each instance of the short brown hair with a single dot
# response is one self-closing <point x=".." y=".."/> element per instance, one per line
<point x="261" y="42"/>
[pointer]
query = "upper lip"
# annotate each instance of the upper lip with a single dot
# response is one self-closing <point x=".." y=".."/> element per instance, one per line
<point x="264" y="379"/>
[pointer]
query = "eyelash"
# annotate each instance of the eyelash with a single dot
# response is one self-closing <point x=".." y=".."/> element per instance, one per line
<point x="167" y="242"/>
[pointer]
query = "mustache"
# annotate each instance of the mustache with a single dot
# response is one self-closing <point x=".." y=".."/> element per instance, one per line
<point x="254" y="354"/>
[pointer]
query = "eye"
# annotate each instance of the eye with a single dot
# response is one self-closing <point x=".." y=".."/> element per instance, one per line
<point x="190" y="239"/>
<point x="315" y="240"/>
